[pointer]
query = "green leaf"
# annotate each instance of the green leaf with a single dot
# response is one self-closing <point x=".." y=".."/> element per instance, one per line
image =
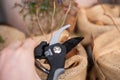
<point x="44" y="5"/>
<point x="32" y="7"/>
<point x="1" y="39"/>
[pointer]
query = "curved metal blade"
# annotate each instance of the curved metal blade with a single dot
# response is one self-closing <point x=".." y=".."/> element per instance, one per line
<point x="55" y="38"/>
<point x="71" y="43"/>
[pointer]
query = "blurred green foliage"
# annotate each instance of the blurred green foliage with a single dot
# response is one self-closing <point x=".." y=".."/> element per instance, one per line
<point x="1" y="39"/>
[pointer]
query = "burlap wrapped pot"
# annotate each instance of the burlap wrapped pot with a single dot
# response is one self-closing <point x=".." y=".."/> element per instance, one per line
<point x="93" y="22"/>
<point x="102" y="13"/>
<point x="9" y="35"/>
<point x="76" y="65"/>
<point x="106" y="54"/>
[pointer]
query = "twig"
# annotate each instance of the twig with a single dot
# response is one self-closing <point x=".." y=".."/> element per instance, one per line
<point x="53" y="14"/>
<point x="53" y="18"/>
<point x="38" y="22"/>
<point x="113" y="21"/>
<point x="40" y="27"/>
<point x="66" y="14"/>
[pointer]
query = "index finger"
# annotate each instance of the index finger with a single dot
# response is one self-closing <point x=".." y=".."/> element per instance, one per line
<point x="29" y="44"/>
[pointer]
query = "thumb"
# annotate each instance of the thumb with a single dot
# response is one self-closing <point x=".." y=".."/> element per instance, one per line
<point x="29" y="45"/>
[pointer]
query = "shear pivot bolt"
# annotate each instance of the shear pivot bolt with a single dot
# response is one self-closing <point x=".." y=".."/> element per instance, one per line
<point x="57" y="49"/>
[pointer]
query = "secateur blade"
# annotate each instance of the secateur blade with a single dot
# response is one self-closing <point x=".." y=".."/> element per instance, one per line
<point x="71" y="43"/>
<point x="55" y="38"/>
<point x="40" y="49"/>
<point x="55" y="53"/>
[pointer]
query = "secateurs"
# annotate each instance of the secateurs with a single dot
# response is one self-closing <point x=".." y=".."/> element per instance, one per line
<point x="55" y="53"/>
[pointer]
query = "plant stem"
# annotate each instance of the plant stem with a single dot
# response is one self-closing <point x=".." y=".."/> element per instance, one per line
<point x="53" y="18"/>
<point x="66" y="14"/>
<point x="53" y="15"/>
<point x="38" y="21"/>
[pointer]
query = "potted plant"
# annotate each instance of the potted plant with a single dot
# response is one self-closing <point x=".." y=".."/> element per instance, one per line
<point x="39" y="16"/>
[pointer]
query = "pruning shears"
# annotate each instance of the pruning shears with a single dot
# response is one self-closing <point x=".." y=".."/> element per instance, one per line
<point x="55" y="53"/>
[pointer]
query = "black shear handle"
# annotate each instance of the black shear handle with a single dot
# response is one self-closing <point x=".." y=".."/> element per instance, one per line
<point x="56" y="61"/>
<point x="55" y="73"/>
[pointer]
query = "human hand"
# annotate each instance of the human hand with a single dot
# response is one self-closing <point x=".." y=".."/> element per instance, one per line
<point x="85" y="3"/>
<point x="17" y="61"/>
